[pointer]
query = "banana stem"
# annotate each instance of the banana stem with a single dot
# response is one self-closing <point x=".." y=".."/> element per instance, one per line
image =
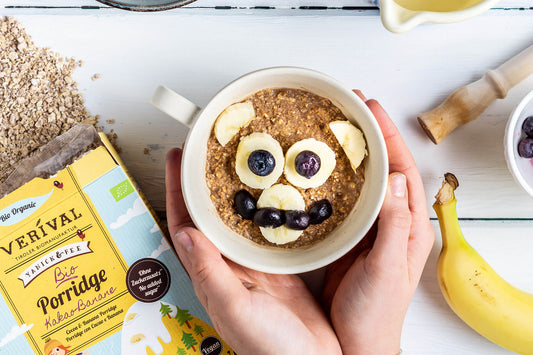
<point x="446" y="192"/>
<point x="445" y="207"/>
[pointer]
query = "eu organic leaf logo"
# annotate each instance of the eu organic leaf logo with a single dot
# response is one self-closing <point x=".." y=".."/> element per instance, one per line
<point x="121" y="190"/>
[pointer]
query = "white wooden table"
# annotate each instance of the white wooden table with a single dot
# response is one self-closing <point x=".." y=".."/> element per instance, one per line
<point x="198" y="49"/>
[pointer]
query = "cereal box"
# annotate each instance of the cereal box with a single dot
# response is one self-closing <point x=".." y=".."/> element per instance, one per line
<point x="86" y="269"/>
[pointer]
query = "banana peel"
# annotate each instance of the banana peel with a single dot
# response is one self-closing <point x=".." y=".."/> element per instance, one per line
<point x="486" y="302"/>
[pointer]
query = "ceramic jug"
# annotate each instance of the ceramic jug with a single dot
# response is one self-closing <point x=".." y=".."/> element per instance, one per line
<point x="402" y="15"/>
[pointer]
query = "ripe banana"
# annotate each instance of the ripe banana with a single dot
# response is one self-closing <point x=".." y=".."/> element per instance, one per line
<point x="475" y="292"/>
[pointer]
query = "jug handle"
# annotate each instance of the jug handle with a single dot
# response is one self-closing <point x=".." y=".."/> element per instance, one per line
<point x="175" y="105"/>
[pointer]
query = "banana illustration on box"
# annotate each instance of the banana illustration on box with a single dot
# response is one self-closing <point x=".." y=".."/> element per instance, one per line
<point x="161" y="328"/>
<point x="475" y="292"/>
<point x="307" y="164"/>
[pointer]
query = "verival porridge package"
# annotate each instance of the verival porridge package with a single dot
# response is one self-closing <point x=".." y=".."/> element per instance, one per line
<point x="85" y="267"/>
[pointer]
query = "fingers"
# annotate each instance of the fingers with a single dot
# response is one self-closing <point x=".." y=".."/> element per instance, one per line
<point x="400" y="159"/>
<point x="335" y="271"/>
<point x="177" y="214"/>
<point x="394" y="224"/>
<point x="214" y="282"/>
<point x="360" y="94"/>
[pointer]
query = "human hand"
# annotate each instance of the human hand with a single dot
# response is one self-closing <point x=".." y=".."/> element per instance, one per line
<point x="255" y="313"/>
<point x="369" y="290"/>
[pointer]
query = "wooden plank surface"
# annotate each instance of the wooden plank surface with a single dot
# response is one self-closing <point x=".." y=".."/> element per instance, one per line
<point x="242" y="3"/>
<point x="409" y="73"/>
<point x="198" y="51"/>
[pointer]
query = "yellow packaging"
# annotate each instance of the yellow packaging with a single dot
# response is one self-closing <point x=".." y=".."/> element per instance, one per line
<point x="85" y="268"/>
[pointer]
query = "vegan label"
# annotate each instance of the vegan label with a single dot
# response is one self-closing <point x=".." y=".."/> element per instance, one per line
<point x="211" y="346"/>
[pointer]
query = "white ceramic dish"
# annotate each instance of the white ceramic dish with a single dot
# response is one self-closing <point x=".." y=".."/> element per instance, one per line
<point x="197" y="196"/>
<point x="520" y="168"/>
<point x="398" y="19"/>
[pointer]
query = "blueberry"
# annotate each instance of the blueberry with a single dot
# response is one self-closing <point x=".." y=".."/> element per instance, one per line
<point x="245" y="204"/>
<point x="261" y="162"/>
<point x="307" y="163"/>
<point x="269" y="217"/>
<point x="525" y="148"/>
<point x="320" y="211"/>
<point x="527" y="126"/>
<point x="298" y="220"/>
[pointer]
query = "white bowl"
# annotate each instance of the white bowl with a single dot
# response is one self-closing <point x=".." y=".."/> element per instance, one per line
<point x="521" y="168"/>
<point x="197" y="194"/>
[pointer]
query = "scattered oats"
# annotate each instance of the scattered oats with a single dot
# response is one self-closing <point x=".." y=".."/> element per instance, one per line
<point x="110" y="121"/>
<point x="113" y="140"/>
<point x="95" y="76"/>
<point x="38" y="98"/>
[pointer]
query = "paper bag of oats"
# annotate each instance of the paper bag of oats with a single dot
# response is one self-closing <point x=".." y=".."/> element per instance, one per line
<point x="53" y="157"/>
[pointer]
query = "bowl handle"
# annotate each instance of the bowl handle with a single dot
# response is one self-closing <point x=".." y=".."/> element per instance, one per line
<point x="175" y="105"/>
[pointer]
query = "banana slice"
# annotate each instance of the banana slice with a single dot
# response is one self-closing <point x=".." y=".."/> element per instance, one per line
<point x="232" y="119"/>
<point x="258" y="141"/>
<point x="351" y="140"/>
<point x="130" y="317"/>
<point x="283" y="197"/>
<point x="137" y="338"/>
<point x="326" y="157"/>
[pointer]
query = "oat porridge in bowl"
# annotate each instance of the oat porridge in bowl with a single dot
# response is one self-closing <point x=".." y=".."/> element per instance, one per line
<point x="284" y="170"/>
<point x="284" y="178"/>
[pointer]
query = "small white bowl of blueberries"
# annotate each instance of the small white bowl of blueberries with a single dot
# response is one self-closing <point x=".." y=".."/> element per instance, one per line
<point x="519" y="143"/>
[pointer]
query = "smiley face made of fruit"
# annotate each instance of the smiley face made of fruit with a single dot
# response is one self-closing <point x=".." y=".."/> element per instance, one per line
<point x="280" y="212"/>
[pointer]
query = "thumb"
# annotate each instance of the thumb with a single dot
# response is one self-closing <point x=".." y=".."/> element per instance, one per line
<point x="214" y="282"/>
<point x="394" y="224"/>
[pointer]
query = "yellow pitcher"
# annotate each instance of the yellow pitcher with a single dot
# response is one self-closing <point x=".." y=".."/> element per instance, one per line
<point x="402" y="15"/>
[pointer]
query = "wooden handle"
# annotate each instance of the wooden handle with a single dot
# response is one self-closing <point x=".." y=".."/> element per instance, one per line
<point x="468" y="102"/>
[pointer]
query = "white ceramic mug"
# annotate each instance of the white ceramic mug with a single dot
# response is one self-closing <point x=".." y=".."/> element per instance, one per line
<point x="197" y="195"/>
<point x="397" y="18"/>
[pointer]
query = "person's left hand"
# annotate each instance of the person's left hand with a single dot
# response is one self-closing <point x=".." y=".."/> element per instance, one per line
<point x="254" y="312"/>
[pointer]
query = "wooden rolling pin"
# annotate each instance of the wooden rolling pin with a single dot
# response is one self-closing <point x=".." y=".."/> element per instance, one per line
<point x="468" y="102"/>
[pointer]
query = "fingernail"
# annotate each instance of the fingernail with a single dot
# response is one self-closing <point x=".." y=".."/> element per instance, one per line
<point x="184" y="241"/>
<point x="398" y="185"/>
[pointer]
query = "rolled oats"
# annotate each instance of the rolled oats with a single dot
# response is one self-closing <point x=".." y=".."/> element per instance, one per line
<point x="38" y="98"/>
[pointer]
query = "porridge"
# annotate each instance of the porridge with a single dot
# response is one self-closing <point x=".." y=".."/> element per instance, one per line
<point x="284" y="167"/>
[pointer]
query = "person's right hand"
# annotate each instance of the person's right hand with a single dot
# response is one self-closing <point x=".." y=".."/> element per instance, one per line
<point x="255" y="313"/>
<point x="369" y="290"/>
